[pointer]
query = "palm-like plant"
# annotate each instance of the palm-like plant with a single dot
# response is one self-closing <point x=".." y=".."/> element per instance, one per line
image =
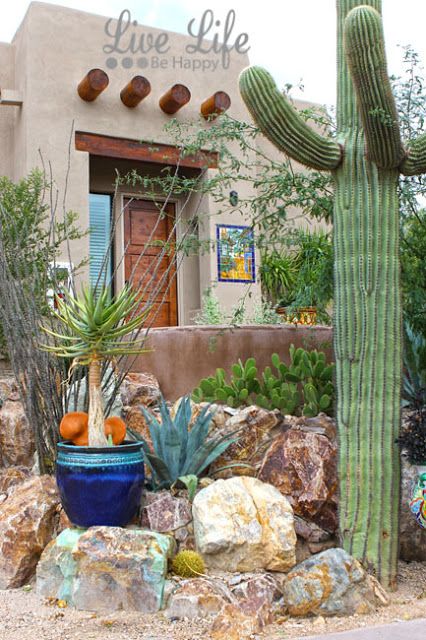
<point x="95" y="324"/>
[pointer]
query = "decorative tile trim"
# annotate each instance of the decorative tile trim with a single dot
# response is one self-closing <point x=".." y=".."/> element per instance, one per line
<point x="98" y="459"/>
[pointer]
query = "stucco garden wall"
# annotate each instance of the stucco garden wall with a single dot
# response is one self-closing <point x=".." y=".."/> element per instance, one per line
<point x="181" y="356"/>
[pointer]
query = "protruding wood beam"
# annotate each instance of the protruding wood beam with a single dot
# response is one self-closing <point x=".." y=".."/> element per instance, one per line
<point x="135" y="91"/>
<point x="218" y="103"/>
<point x="94" y="82"/>
<point x="175" y="98"/>
<point x="10" y="97"/>
<point x="112" y="147"/>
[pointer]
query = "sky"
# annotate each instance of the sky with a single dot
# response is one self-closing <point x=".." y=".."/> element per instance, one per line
<point x="293" y="39"/>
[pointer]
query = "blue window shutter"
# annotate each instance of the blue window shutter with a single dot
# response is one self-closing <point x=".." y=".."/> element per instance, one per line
<point x="100" y="236"/>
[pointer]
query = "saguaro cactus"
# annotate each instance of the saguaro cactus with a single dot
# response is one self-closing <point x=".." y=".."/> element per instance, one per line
<point x="365" y="160"/>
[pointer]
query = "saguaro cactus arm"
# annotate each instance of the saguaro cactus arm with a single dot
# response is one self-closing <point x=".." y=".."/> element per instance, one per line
<point x="414" y="162"/>
<point x="365" y="54"/>
<point x="282" y="125"/>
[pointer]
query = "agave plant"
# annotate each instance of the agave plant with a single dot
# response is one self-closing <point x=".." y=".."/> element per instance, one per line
<point x="95" y="324"/>
<point x="180" y="452"/>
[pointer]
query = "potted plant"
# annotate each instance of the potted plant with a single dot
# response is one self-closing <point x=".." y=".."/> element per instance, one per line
<point x="99" y="474"/>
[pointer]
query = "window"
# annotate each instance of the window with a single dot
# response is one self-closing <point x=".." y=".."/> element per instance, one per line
<point x="100" y="262"/>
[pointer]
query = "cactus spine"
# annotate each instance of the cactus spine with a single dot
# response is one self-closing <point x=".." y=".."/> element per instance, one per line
<point x="365" y="160"/>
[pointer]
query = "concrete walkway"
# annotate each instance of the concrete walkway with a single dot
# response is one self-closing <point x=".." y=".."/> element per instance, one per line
<point x="412" y="630"/>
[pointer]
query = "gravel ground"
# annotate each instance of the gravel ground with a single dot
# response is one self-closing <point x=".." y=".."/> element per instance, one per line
<point x="25" y="616"/>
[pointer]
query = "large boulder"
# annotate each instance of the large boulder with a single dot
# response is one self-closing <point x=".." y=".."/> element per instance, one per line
<point x="302" y="464"/>
<point x="254" y="428"/>
<point x="17" y="445"/>
<point x="28" y="518"/>
<point x="331" y="583"/>
<point x="242" y="524"/>
<point x="412" y="536"/>
<point x="106" y="569"/>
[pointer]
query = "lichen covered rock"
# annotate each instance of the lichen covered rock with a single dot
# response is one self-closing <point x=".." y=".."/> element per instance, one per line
<point x="106" y="569"/>
<point x="242" y="524"/>
<point x="331" y="583"/>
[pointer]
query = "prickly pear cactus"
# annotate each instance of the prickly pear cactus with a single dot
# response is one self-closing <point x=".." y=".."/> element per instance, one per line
<point x="365" y="159"/>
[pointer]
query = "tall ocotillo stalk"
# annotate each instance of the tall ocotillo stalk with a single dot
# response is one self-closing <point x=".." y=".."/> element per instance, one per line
<point x="365" y="159"/>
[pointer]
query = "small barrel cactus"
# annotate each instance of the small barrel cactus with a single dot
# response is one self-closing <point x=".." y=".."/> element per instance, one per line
<point x="188" y="564"/>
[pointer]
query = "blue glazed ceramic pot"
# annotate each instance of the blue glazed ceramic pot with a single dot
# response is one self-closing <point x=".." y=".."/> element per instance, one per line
<point x="100" y="486"/>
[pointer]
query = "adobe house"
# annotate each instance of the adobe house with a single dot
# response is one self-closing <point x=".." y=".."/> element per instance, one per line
<point x="90" y="124"/>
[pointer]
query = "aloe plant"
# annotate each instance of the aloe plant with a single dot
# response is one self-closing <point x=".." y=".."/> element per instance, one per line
<point x="95" y="324"/>
<point x="181" y="451"/>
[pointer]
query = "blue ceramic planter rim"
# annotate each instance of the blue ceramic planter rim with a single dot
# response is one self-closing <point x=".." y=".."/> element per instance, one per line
<point x="127" y="453"/>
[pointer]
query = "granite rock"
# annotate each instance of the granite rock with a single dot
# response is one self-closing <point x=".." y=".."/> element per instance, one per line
<point x="28" y="518"/>
<point x="303" y="466"/>
<point x="17" y="445"/>
<point x="331" y="583"/>
<point x="254" y="427"/>
<point x="242" y="524"/>
<point x="195" y="598"/>
<point x="164" y="513"/>
<point x="140" y="388"/>
<point x="106" y="569"/>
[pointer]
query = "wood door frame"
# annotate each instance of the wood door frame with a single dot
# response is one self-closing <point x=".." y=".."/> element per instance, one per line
<point x="180" y="309"/>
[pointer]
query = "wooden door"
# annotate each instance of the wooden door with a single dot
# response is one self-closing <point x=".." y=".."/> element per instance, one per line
<point x="145" y="228"/>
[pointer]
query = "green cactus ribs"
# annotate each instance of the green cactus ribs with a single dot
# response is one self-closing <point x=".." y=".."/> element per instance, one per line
<point x="365" y="164"/>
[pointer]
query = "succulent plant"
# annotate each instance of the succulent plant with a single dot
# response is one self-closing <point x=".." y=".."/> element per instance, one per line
<point x="234" y="393"/>
<point x="181" y="449"/>
<point x="304" y="386"/>
<point x="188" y="564"/>
<point x="94" y="325"/>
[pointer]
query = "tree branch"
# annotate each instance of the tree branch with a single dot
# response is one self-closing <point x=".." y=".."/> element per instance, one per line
<point x="365" y="54"/>
<point x="282" y="125"/>
<point x="414" y="162"/>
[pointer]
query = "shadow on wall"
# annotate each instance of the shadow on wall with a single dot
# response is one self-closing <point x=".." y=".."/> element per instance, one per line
<point x="181" y="356"/>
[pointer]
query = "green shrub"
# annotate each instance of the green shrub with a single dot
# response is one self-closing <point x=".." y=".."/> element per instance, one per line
<point x="305" y="386"/>
<point x="211" y="312"/>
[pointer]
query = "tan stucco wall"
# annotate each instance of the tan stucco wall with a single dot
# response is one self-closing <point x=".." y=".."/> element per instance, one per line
<point x="180" y="357"/>
<point x="55" y="47"/>
<point x="8" y="114"/>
